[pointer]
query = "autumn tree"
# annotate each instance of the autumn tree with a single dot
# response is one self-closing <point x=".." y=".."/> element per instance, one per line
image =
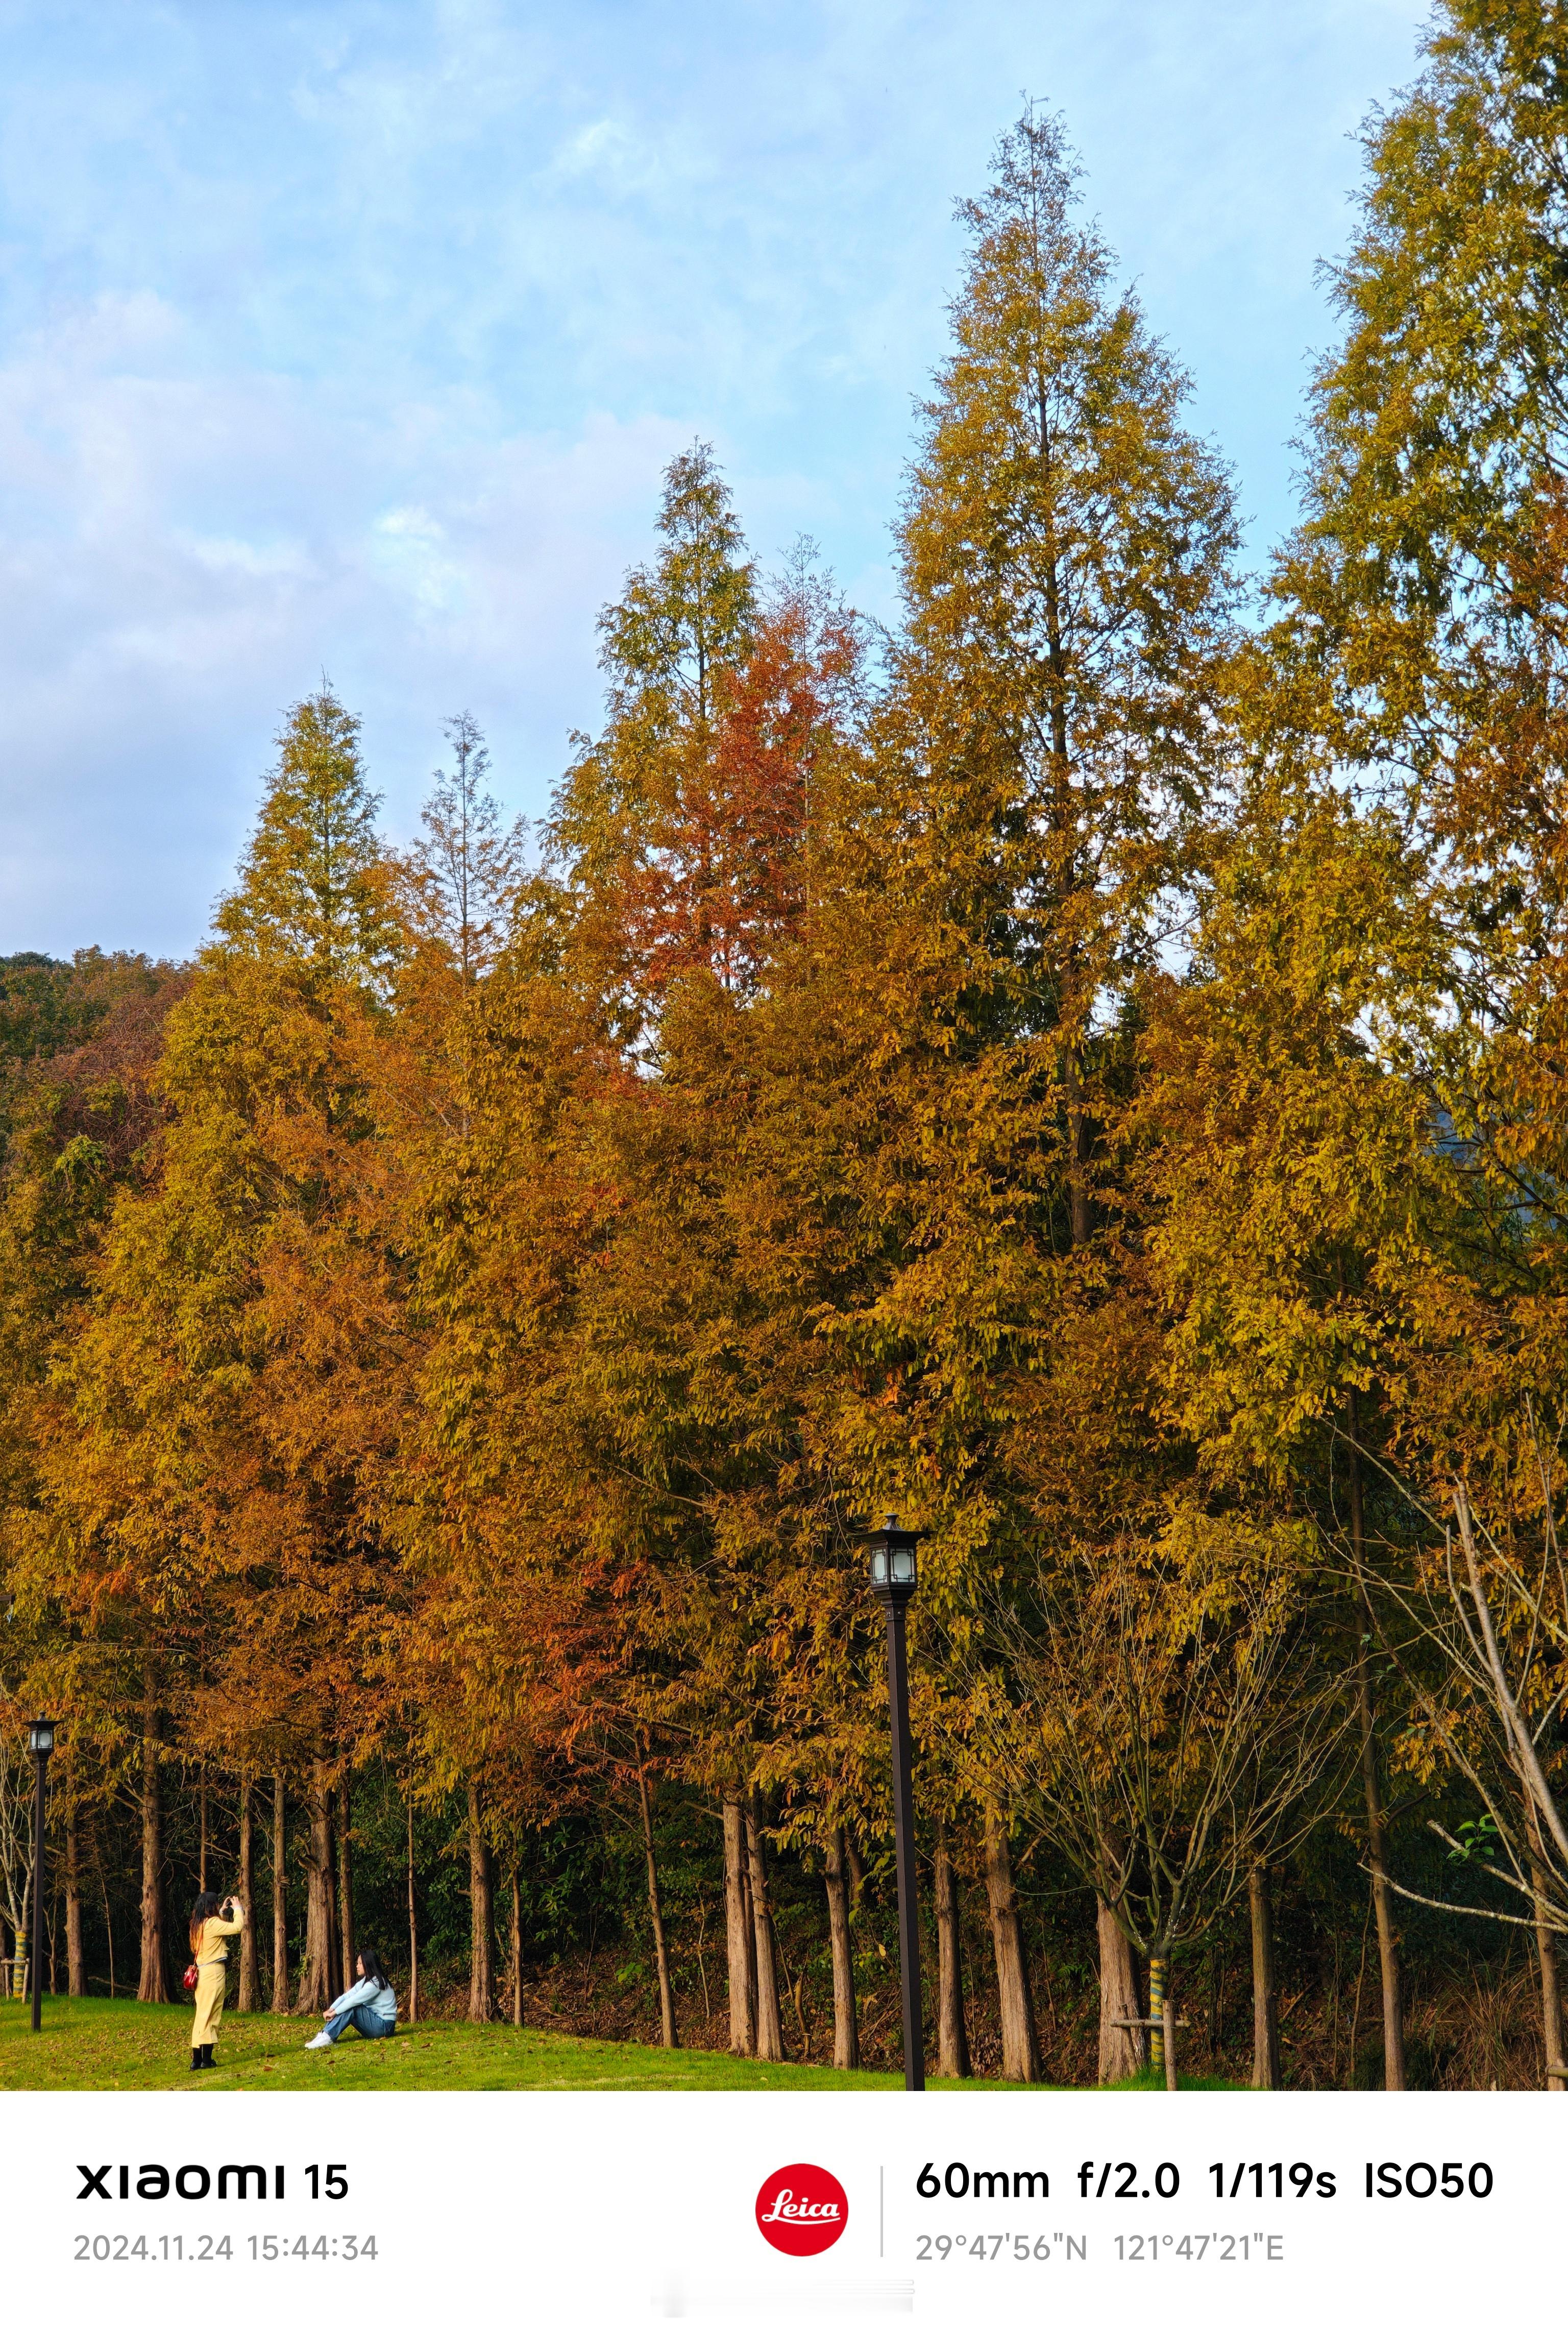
<point x="312" y="887"/>
<point x="1168" y="1711"/>
<point x="641" y="1367"/>
<point x="1417" y="653"/>
<point x="636" y="826"/>
<point x="237" y="1382"/>
<point x="1066" y="552"/>
<point x="1423" y="599"/>
<point x="468" y="868"/>
<point x="81" y="1114"/>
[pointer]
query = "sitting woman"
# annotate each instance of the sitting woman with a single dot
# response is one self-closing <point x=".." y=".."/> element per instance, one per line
<point x="370" y="2006"/>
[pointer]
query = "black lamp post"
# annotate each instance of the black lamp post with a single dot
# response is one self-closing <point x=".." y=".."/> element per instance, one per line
<point x="40" y="1741"/>
<point x="893" y="1582"/>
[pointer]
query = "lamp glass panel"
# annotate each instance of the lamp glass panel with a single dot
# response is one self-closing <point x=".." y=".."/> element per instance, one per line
<point x="43" y="1740"/>
<point x="879" y="1567"/>
<point x="903" y="1566"/>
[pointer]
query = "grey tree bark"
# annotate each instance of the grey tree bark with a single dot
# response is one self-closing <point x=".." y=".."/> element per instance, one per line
<point x="845" y="2021"/>
<point x="738" y="1932"/>
<point x="769" y="2024"/>
<point x="516" y="1947"/>
<point x="1020" y="2043"/>
<point x="1546" y="1958"/>
<point x="1124" y="2049"/>
<point x="657" y="1917"/>
<point x="316" y="1973"/>
<point x="1377" y="1846"/>
<point x="480" y="1919"/>
<point x="249" y="1994"/>
<point x="952" y="2034"/>
<point x="280" y="1899"/>
<point x="765" y="1960"/>
<point x="346" y="1881"/>
<point x="412" y="1928"/>
<point x="153" y="1984"/>
<point x="1264" y="1991"/>
<point x="75" y="1959"/>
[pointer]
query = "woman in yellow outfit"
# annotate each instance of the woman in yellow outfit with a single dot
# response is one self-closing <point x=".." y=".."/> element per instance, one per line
<point x="209" y="1935"/>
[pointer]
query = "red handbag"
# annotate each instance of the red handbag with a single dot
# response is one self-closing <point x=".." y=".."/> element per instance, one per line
<point x="189" y="1977"/>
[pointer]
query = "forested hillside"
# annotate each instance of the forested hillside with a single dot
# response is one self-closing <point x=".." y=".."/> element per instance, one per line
<point x="1086" y="1072"/>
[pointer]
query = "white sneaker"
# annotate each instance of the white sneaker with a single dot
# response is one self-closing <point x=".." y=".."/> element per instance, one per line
<point x="321" y="2041"/>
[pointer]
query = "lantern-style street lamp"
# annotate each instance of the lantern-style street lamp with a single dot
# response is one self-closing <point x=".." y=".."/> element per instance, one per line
<point x="893" y="1573"/>
<point x="40" y="1741"/>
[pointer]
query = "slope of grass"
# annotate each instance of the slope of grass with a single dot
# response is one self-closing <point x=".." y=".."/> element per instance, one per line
<point x="102" y="2044"/>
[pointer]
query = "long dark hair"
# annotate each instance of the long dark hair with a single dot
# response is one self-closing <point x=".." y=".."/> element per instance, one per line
<point x="207" y="1907"/>
<point x="374" y="1971"/>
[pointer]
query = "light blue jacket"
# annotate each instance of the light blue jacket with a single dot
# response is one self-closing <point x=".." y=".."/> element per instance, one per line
<point x="379" y="1998"/>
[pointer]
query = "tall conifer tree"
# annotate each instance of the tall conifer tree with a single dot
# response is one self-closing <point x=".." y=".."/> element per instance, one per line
<point x="1066" y="548"/>
<point x="1066" y="565"/>
<point x="1423" y="645"/>
<point x="311" y="886"/>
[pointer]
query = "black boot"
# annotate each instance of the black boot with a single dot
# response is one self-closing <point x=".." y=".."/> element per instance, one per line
<point x="197" y="2056"/>
<point x="207" y="2053"/>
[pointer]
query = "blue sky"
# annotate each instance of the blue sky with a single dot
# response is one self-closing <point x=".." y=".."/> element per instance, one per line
<point x="354" y="335"/>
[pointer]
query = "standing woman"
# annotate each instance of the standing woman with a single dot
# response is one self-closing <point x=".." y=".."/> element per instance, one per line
<point x="209" y="1935"/>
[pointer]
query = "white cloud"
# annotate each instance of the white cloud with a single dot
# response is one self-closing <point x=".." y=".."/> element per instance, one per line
<point x="353" y="333"/>
<point x="146" y="655"/>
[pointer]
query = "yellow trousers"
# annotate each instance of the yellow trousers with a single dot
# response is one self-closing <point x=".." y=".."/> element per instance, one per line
<point x="211" y="1983"/>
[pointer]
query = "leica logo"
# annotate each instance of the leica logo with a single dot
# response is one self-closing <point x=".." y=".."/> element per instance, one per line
<point x="785" y="2206"/>
<point x="801" y="2209"/>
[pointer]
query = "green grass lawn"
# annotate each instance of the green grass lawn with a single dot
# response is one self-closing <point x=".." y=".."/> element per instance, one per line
<point x="102" y="2044"/>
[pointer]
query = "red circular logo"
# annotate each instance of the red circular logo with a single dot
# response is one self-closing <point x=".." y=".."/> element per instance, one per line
<point x="801" y="2209"/>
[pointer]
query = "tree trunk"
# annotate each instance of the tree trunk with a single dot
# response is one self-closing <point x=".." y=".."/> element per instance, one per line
<point x="315" y="1985"/>
<point x="952" y="2037"/>
<point x="335" y="1979"/>
<point x="1122" y="2050"/>
<point x="516" y="1948"/>
<point x="1377" y="1858"/>
<point x="1264" y="1995"/>
<point x="153" y="1985"/>
<point x="1383" y="1897"/>
<point x="412" y="1926"/>
<point x="1545" y="1955"/>
<point x="75" y="1958"/>
<point x="202" y="1827"/>
<point x="656" y="1917"/>
<point x="346" y="1882"/>
<point x="846" y="2018"/>
<point x="769" y="2024"/>
<point x="250" y="1989"/>
<point x="1020" y="2045"/>
<point x="1377" y="1852"/>
<point x="1550" y="1990"/>
<point x="481" y="1920"/>
<point x="279" y="1900"/>
<point x="108" y="1914"/>
<point x="846" y="2024"/>
<point x="738" y="1933"/>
